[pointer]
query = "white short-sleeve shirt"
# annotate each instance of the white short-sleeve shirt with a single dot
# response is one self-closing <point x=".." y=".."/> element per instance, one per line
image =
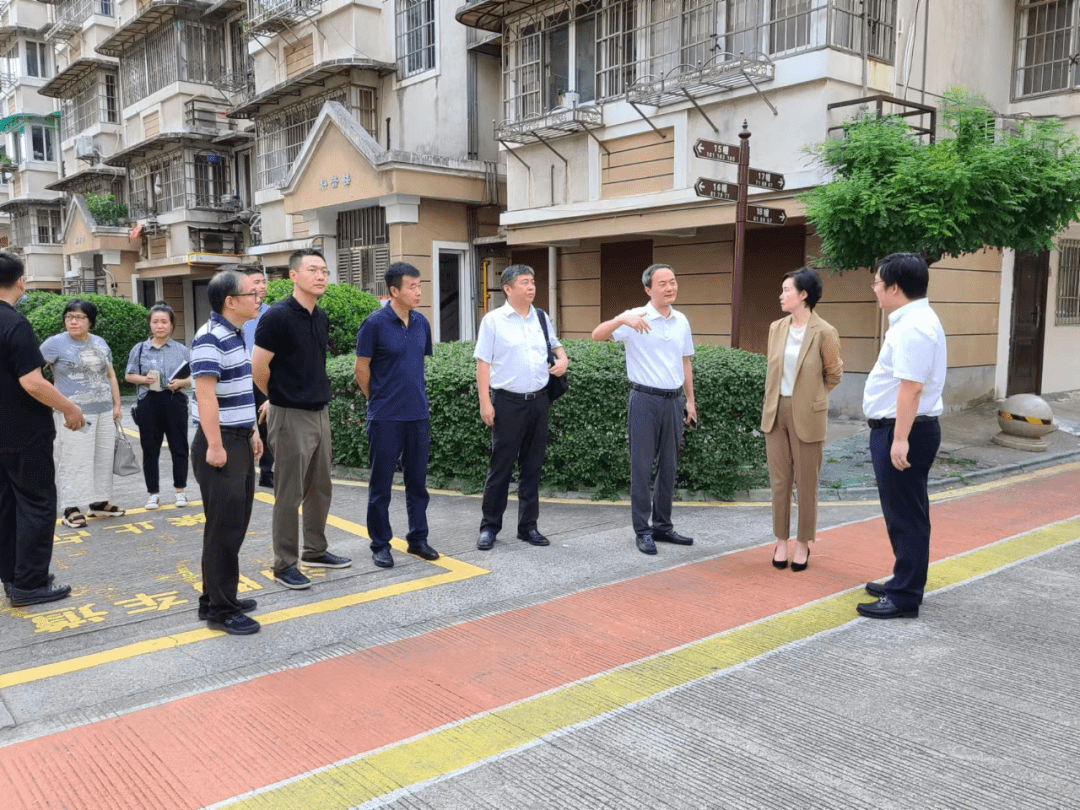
<point x="913" y="349"/>
<point x="515" y="349"/>
<point x="655" y="358"/>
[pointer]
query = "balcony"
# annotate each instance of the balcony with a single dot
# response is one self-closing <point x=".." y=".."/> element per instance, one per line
<point x="270" y="16"/>
<point x="556" y="123"/>
<point x="686" y="82"/>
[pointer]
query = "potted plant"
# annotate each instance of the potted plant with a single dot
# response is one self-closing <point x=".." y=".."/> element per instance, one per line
<point x="106" y="210"/>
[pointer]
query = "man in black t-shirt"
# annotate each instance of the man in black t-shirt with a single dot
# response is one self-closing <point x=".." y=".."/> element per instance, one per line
<point x="27" y="474"/>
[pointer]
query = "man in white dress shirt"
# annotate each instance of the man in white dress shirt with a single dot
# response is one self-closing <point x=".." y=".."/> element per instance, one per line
<point x="658" y="349"/>
<point x="511" y="379"/>
<point x="902" y="402"/>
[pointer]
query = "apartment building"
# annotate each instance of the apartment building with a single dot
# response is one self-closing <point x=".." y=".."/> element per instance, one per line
<point x="30" y="213"/>
<point x="602" y="103"/>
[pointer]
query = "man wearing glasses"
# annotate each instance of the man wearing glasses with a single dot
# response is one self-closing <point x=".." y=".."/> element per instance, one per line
<point x="289" y="366"/>
<point x="902" y="402"/>
<point x="226" y="448"/>
<point x="266" y="463"/>
<point x="658" y="349"/>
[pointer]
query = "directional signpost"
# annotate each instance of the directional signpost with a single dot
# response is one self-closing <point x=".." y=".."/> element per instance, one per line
<point x="713" y="150"/>
<point x="716" y="189"/>
<point x="763" y="179"/>
<point x="765" y="216"/>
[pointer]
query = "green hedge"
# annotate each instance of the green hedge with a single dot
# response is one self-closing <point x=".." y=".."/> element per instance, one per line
<point x="587" y="447"/>
<point x="344" y="304"/>
<point x="122" y="323"/>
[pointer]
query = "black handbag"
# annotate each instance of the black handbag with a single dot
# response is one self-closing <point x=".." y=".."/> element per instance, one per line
<point x="135" y="407"/>
<point x="556" y="386"/>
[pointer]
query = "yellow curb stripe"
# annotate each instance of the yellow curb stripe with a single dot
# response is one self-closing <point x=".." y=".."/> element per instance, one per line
<point x="464" y="744"/>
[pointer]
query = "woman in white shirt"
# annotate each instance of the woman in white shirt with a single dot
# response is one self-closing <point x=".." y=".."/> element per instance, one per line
<point x="804" y="365"/>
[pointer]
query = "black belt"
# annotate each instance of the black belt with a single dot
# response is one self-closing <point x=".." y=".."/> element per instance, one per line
<point x="523" y="397"/>
<point x="880" y="423"/>
<point x="242" y="432"/>
<point x="657" y="392"/>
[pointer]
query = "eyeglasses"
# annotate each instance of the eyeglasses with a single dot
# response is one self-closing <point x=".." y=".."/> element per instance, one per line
<point x="875" y="282"/>
<point x="244" y="295"/>
<point x="72" y="317"/>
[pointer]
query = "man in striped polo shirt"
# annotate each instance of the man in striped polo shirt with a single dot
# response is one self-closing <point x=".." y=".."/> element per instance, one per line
<point x="226" y="447"/>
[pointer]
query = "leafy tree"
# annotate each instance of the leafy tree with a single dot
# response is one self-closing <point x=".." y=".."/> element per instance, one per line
<point x="890" y="192"/>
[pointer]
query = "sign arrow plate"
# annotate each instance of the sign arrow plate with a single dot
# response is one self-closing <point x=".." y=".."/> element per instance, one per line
<point x="716" y="189"/>
<point x="764" y="179"/>
<point x="714" y="150"/>
<point x="765" y="216"/>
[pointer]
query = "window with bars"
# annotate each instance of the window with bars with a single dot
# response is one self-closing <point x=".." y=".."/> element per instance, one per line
<point x="415" y="37"/>
<point x="1068" y="287"/>
<point x="36" y="226"/>
<point x="278" y="138"/>
<point x="1046" y="47"/>
<point x="93" y="101"/>
<point x="363" y="249"/>
<point x="184" y="50"/>
<point x="180" y="178"/>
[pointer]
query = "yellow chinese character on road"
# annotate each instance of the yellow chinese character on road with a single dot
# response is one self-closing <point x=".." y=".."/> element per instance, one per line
<point x="247" y="584"/>
<point x="53" y="621"/>
<point x="133" y="528"/>
<point x="143" y="602"/>
<point x="70" y="537"/>
<point x="191" y="519"/>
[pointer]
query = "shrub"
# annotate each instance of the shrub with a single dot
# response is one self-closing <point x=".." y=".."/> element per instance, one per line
<point x="122" y="323"/>
<point x="105" y="209"/>
<point x="587" y="447"/>
<point x="347" y="307"/>
<point x="34" y="299"/>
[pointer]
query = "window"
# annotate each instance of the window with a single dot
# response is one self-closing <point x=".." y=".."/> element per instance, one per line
<point x="211" y="179"/>
<point x="112" y="103"/>
<point x="415" y="37"/>
<point x="91" y="101"/>
<point x="43" y="143"/>
<point x="37" y="59"/>
<point x="1045" y="62"/>
<point x="181" y="51"/>
<point x="1068" y="288"/>
<point x="12" y="66"/>
<point x="48" y="226"/>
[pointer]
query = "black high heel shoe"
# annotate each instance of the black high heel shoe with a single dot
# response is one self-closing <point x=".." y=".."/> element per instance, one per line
<point x="801" y="566"/>
<point x="779" y="564"/>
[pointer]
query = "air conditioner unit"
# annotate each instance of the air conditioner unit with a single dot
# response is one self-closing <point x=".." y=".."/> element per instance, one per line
<point x="85" y="149"/>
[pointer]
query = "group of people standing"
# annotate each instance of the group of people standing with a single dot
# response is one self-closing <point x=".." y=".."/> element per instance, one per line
<point x="257" y="367"/>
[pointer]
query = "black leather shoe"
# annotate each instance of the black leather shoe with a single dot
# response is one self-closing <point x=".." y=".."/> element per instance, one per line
<point x="645" y="544"/>
<point x="875" y="589"/>
<point x="246" y="606"/>
<point x="884" y="608"/>
<point x="382" y="558"/>
<point x="672" y="537"/>
<point x="486" y="541"/>
<point x="534" y="538"/>
<point x="266" y="480"/>
<point x="423" y="551"/>
<point x="37" y="596"/>
<point x="7" y="585"/>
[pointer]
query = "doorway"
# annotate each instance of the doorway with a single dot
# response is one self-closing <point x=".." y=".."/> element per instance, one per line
<point x="453" y="291"/>
<point x="201" y="298"/>
<point x="621" y="267"/>
<point x="1031" y="274"/>
<point x="449" y="296"/>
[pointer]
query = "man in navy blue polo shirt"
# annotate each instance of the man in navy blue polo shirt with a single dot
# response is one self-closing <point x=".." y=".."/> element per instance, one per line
<point x="390" y="350"/>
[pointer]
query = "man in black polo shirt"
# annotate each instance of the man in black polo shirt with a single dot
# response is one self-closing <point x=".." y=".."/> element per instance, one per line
<point x="289" y="366"/>
<point x="390" y="350"/>
<point x="27" y="474"/>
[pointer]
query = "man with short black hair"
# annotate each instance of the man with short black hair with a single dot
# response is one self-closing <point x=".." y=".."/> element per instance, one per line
<point x="225" y="448"/>
<point x="27" y="431"/>
<point x="390" y="349"/>
<point x="511" y="379"/>
<point x="902" y="401"/>
<point x="266" y="463"/>
<point x="658" y="349"/>
<point x="289" y="366"/>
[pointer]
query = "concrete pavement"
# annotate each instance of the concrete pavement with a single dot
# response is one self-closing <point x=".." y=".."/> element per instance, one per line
<point x="579" y="675"/>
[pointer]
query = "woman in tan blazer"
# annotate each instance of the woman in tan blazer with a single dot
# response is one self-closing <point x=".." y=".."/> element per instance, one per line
<point x="804" y="366"/>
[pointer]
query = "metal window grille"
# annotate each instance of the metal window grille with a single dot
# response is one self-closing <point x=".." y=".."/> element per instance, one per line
<point x="1046" y="48"/>
<point x="1068" y="288"/>
<point x="364" y="249"/>
<point x="79" y="11"/>
<point x="36" y="226"/>
<point x="181" y="178"/>
<point x="272" y="15"/>
<point x="278" y="138"/>
<point x="415" y="36"/>
<point x="182" y="51"/>
<point x="600" y="48"/>
<point x="229" y="243"/>
<point x="92" y="101"/>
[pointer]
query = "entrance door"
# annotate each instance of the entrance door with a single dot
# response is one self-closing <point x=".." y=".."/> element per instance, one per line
<point x="1030" y="276"/>
<point x="449" y="296"/>
<point x="621" y="266"/>
<point x="201" y="298"/>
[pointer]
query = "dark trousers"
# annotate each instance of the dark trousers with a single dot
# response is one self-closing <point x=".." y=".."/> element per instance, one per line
<point x="164" y="414"/>
<point x="227" y="494"/>
<point x="655" y="425"/>
<point x="906" y="507"/>
<point x="266" y="460"/>
<point x="387" y="442"/>
<point x="27" y="516"/>
<point x="520" y="434"/>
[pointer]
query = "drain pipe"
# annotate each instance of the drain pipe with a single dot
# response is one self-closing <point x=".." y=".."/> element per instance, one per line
<point x="553" y="286"/>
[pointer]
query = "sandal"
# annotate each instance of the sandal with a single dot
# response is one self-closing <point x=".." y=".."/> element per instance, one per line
<point x="105" y="509"/>
<point x="74" y="518"/>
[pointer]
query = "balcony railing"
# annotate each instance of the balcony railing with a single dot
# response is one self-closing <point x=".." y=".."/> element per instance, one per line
<point x="70" y="17"/>
<point x="270" y="16"/>
<point x="201" y="113"/>
<point x="560" y="121"/>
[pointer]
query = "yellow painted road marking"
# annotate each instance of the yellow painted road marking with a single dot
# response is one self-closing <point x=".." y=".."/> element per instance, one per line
<point x="455" y="571"/>
<point x="366" y="777"/>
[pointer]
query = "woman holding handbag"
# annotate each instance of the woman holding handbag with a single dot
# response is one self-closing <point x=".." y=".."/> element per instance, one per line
<point x="159" y="366"/>
<point x="82" y="368"/>
<point x="804" y="366"/>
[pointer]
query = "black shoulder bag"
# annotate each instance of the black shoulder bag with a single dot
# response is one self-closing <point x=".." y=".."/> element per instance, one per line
<point x="556" y="386"/>
<point x="135" y="407"/>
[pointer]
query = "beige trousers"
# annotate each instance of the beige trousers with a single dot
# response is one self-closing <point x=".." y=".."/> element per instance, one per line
<point x="792" y="462"/>
<point x="300" y="441"/>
